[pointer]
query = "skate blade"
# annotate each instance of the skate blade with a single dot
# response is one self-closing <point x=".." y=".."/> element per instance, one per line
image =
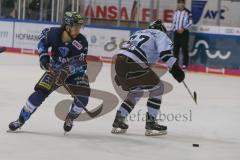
<point x="11" y="131"/>
<point x="155" y="133"/>
<point x="118" y="131"/>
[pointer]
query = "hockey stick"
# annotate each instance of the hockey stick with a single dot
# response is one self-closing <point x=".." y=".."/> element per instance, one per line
<point x="61" y="75"/>
<point x="2" y="49"/>
<point x="194" y="95"/>
<point x="91" y="114"/>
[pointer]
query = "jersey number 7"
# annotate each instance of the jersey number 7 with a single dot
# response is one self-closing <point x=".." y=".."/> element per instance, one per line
<point x="136" y="41"/>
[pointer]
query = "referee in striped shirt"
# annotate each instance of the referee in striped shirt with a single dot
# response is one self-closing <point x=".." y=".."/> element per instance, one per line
<point x="182" y="21"/>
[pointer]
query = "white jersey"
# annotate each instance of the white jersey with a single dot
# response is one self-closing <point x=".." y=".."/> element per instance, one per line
<point x="146" y="46"/>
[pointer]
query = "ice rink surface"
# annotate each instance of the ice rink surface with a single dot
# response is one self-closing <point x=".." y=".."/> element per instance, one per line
<point x="214" y="123"/>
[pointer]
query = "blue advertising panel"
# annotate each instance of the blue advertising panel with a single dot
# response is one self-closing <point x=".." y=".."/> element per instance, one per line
<point x="211" y="50"/>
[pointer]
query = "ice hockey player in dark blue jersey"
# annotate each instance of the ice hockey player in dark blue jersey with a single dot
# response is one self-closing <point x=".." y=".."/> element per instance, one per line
<point x="67" y="44"/>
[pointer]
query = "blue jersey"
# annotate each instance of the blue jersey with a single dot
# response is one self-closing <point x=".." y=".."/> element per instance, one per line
<point x="62" y="52"/>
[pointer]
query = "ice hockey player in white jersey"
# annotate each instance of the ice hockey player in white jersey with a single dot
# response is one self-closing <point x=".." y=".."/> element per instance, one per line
<point x="134" y="74"/>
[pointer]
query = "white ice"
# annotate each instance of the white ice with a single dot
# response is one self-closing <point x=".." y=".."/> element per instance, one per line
<point x="215" y="124"/>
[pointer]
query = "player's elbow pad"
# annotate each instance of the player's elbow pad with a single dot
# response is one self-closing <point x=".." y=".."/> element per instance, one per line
<point x="44" y="61"/>
<point x="168" y="58"/>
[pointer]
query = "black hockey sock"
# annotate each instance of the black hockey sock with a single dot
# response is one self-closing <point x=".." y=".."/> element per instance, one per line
<point x="153" y="105"/>
<point x="126" y="108"/>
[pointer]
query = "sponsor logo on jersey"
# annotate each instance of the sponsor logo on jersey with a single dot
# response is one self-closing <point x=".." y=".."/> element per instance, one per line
<point x="77" y="44"/>
<point x="64" y="51"/>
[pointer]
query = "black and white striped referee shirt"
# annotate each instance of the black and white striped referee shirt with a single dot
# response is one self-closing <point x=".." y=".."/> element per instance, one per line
<point x="181" y="19"/>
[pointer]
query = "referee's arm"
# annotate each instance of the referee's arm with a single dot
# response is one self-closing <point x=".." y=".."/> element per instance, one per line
<point x="188" y="21"/>
<point x="173" y="26"/>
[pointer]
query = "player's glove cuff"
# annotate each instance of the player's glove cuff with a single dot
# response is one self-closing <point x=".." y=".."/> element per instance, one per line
<point x="44" y="62"/>
<point x="177" y="73"/>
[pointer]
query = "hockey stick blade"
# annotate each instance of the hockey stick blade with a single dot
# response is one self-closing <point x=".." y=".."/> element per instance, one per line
<point x="96" y="111"/>
<point x="92" y="114"/>
<point x="194" y="95"/>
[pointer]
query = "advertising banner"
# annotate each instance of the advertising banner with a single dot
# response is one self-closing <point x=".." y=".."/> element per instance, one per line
<point x="102" y="42"/>
<point x="128" y="9"/>
<point x="207" y="48"/>
<point x="105" y="42"/>
<point x="215" y="12"/>
<point x="26" y="34"/>
<point x="6" y="33"/>
<point x="219" y="51"/>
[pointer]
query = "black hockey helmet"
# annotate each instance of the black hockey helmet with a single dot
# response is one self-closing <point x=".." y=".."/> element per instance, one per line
<point x="72" y="18"/>
<point x="158" y="25"/>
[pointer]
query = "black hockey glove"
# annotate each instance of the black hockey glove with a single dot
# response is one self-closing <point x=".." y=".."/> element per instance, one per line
<point x="177" y="73"/>
<point x="44" y="62"/>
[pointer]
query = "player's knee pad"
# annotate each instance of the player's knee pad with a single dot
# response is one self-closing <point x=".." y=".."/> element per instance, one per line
<point x="134" y="96"/>
<point x="157" y="91"/>
<point x="37" y="97"/>
<point x="81" y="101"/>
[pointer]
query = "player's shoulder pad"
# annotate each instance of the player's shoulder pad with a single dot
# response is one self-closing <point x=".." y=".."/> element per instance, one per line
<point x="82" y="38"/>
<point x="138" y="32"/>
<point x="148" y="31"/>
<point x="55" y="30"/>
<point x="54" y="33"/>
<point x="45" y="30"/>
<point x="156" y="32"/>
<point x="44" y="33"/>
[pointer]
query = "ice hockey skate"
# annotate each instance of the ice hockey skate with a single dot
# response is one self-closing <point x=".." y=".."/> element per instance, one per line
<point x="119" y="125"/>
<point x="153" y="128"/>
